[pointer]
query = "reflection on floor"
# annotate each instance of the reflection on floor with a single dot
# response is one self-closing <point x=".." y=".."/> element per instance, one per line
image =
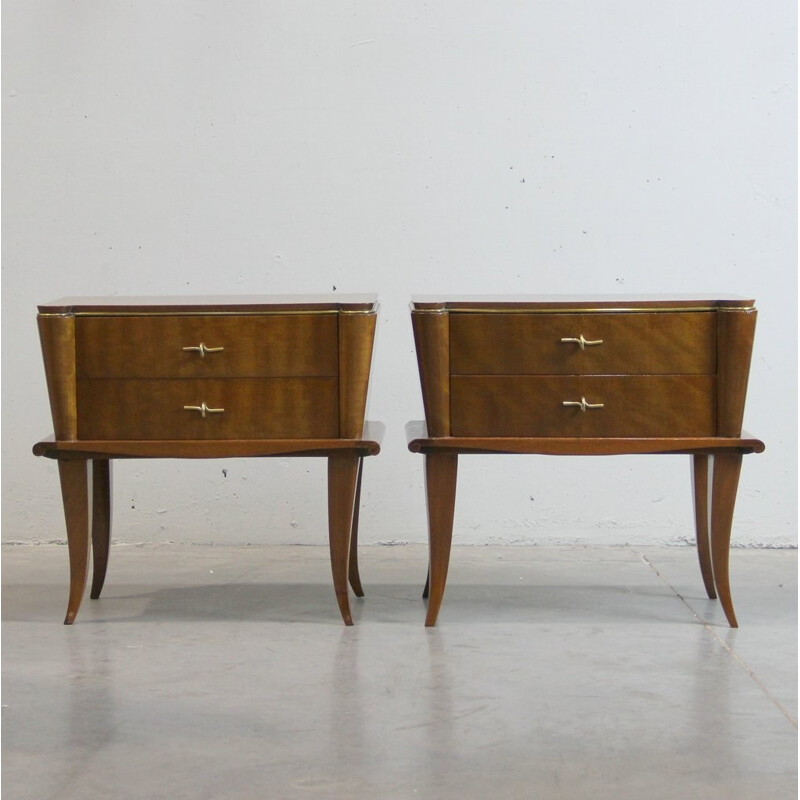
<point x="554" y="672"/>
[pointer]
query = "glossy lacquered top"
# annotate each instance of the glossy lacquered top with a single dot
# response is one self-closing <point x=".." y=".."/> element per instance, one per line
<point x="583" y="303"/>
<point x="290" y="303"/>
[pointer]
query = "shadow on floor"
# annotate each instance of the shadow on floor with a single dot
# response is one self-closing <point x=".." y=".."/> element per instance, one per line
<point x="384" y="603"/>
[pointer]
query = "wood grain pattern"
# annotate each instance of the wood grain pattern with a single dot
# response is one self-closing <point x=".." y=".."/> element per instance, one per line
<point x="57" y="338"/>
<point x="700" y="487"/>
<point x="254" y="408"/>
<point x="119" y="388"/>
<point x="735" y="335"/>
<point x="419" y="442"/>
<point x="635" y="344"/>
<point x="441" y="472"/>
<point x="670" y="376"/>
<point x="342" y="479"/>
<point x="640" y="405"/>
<point x="75" y="493"/>
<point x="370" y="445"/>
<point x="432" y="339"/>
<point x="725" y="470"/>
<point x="356" y="337"/>
<point x="152" y="347"/>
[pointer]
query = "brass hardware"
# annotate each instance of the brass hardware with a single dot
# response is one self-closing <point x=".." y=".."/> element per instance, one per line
<point x="581" y="342"/>
<point x="204" y="409"/>
<point x="579" y="310"/>
<point x="582" y="405"/>
<point x="202" y="349"/>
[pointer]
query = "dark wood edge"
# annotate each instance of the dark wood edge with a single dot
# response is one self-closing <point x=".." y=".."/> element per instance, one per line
<point x="420" y="442"/>
<point x="572" y="304"/>
<point x="110" y="306"/>
<point x="370" y="445"/>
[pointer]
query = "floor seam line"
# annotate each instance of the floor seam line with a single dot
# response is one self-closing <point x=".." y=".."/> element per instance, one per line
<point x="735" y="656"/>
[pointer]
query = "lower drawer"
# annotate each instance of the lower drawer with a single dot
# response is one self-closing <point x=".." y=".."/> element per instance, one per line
<point x="633" y="406"/>
<point x="268" y="408"/>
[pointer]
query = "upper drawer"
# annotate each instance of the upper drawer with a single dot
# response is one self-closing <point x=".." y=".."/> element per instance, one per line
<point x="625" y="344"/>
<point x="297" y="345"/>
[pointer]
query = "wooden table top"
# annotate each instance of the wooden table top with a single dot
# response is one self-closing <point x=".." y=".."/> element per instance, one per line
<point x="573" y="303"/>
<point x="215" y="304"/>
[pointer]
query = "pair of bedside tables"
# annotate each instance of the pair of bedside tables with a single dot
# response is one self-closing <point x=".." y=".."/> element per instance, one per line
<point x="288" y="376"/>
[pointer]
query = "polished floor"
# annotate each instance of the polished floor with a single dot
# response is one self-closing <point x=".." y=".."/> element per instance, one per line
<point x="554" y="672"/>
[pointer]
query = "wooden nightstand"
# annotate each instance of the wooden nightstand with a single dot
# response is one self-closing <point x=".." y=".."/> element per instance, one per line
<point x="206" y="378"/>
<point x="585" y="376"/>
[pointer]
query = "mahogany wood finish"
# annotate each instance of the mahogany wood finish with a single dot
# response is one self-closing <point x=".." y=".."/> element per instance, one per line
<point x="342" y="482"/>
<point x="628" y="343"/>
<point x="356" y="336"/>
<point x="139" y="346"/>
<point x="655" y="375"/>
<point x="725" y="469"/>
<point x="632" y="405"/>
<point x="307" y="408"/>
<point x="441" y="472"/>
<point x="368" y="445"/>
<point x="432" y="338"/>
<point x="74" y="476"/>
<point x="700" y="487"/>
<point x="290" y="372"/>
<point x="57" y="337"/>
<point x="735" y="334"/>
<point x="355" y="578"/>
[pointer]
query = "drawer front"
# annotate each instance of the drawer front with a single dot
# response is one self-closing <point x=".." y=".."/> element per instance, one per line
<point x="252" y="346"/>
<point x="635" y="406"/>
<point x="268" y="408"/>
<point x="627" y="344"/>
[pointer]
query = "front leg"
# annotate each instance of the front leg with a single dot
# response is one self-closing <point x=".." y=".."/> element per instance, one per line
<point x="700" y="486"/>
<point x="75" y="493"/>
<point x="342" y="480"/>
<point x="441" y="470"/>
<point x="725" y="469"/>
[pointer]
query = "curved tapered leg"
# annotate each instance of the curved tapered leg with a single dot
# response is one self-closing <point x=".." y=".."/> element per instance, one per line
<point x="441" y="470"/>
<point x="342" y="480"/>
<point x="700" y="486"/>
<point x="74" y="476"/>
<point x="355" y="578"/>
<point x="724" y="483"/>
<point x="101" y="523"/>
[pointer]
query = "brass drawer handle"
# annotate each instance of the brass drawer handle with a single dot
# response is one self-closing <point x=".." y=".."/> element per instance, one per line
<point x="581" y="342"/>
<point x="582" y="405"/>
<point x="204" y="409"/>
<point x="202" y="349"/>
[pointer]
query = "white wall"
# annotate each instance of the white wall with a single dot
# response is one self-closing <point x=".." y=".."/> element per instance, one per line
<point x="205" y="146"/>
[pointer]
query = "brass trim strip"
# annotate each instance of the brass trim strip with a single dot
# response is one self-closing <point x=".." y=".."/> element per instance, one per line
<point x="242" y="313"/>
<point x="358" y="312"/>
<point x="578" y="310"/>
<point x="427" y="310"/>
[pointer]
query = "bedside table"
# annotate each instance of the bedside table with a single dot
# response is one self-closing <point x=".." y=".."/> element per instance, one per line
<point x="585" y="376"/>
<point x="206" y="378"/>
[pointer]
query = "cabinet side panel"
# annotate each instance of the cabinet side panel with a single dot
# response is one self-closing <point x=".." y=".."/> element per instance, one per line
<point x="432" y="339"/>
<point x="735" y="333"/>
<point x="57" y="337"/>
<point x="356" y="337"/>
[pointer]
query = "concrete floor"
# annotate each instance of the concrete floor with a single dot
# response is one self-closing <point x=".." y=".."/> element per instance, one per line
<point x="224" y="672"/>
